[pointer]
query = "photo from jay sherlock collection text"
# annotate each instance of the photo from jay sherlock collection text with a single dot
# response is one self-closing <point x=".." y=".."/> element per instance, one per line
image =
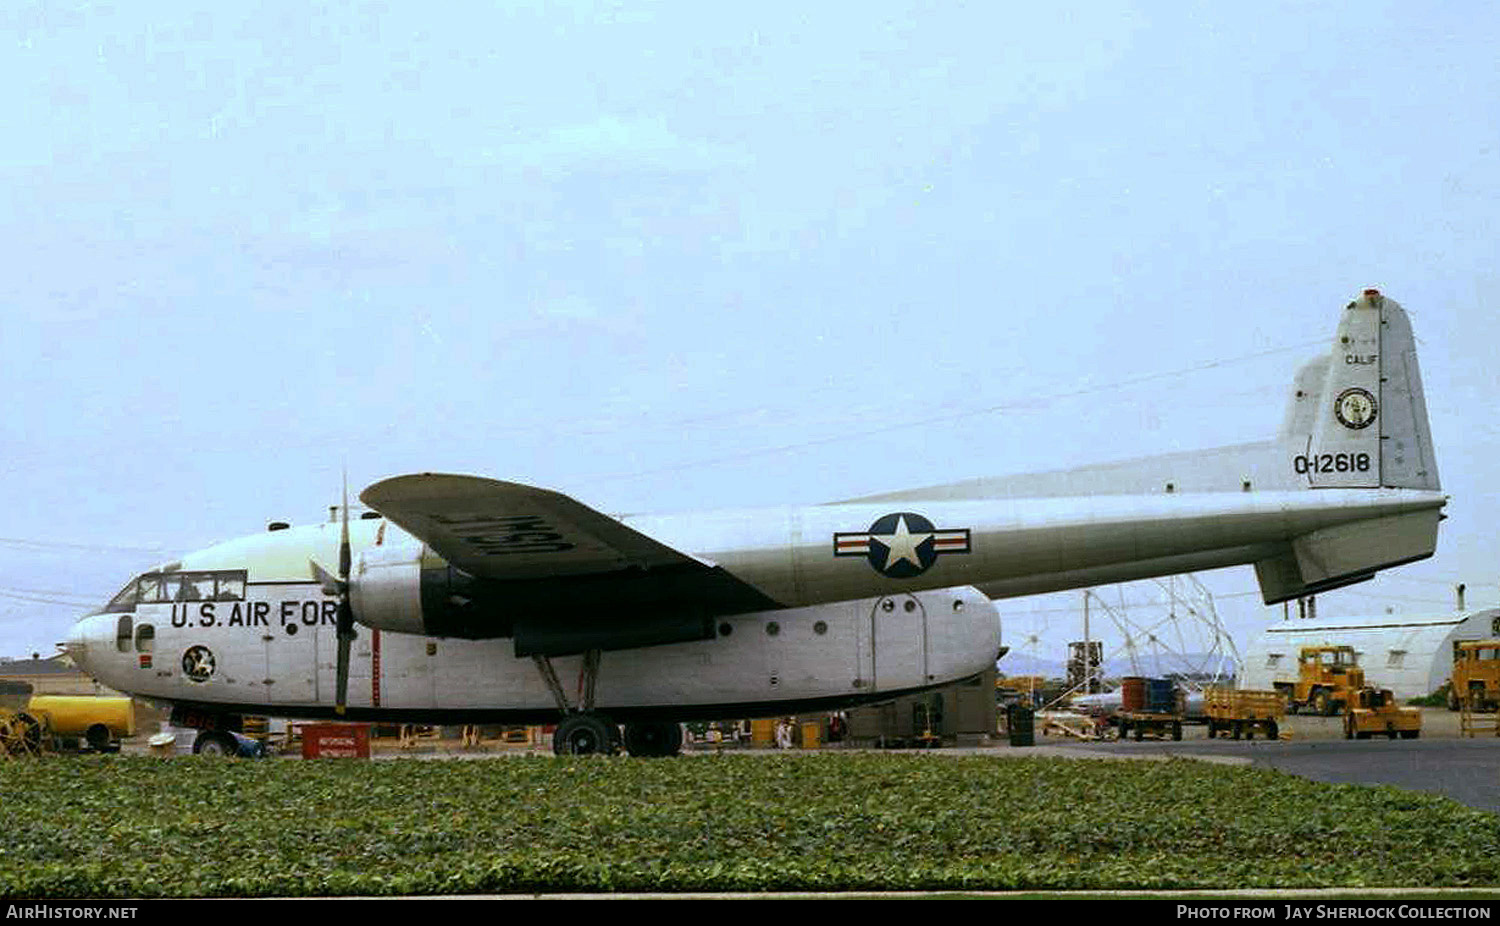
<point x="1349" y="910"/>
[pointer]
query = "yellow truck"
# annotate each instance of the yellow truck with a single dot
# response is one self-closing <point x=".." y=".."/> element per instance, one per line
<point x="1242" y="712"/>
<point x="98" y="722"/>
<point x="1327" y="679"/>
<point x="1374" y="710"/>
<point x="1476" y="676"/>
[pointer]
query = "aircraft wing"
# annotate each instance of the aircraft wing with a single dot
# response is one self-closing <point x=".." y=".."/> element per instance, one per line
<point x="507" y="531"/>
<point x="556" y="561"/>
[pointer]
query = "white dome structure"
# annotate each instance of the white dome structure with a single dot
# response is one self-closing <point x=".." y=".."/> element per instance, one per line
<point x="1412" y="655"/>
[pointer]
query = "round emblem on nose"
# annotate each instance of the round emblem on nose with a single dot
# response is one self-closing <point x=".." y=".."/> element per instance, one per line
<point x="198" y="663"/>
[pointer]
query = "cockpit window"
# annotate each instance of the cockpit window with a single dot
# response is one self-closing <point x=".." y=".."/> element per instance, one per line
<point x="125" y="600"/>
<point x="189" y="586"/>
<point x="122" y="634"/>
<point x="163" y="588"/>
<point x="231" y="587"/>
<point x="145" y="638"/>
<point x="149" y="589"/>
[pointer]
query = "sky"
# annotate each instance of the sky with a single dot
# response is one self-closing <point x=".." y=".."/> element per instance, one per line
<point x="677" y="256"/>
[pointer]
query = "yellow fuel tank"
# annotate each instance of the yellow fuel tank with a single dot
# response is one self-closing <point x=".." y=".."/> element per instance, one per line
<point x="99" y="721"/>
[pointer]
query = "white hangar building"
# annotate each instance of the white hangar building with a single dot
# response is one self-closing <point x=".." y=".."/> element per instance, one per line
<point x="1410" y="655"/>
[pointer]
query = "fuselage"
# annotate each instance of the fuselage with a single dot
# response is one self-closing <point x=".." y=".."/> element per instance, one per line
<point x="243" y="627"/>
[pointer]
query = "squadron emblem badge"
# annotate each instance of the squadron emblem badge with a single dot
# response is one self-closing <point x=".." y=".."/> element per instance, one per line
<point x="1354" y="408"/>
<point x="198" y="663"/>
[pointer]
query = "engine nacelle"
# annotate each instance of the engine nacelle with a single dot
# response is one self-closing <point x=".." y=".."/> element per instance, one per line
<point x="385" y="588"/>
<point x="408" y="589"/>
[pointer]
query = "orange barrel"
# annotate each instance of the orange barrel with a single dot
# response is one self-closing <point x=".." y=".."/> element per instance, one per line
<point x="1132" y="693"/>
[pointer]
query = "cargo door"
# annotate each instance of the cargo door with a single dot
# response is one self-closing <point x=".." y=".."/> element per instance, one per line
<point x="898" y="636"/>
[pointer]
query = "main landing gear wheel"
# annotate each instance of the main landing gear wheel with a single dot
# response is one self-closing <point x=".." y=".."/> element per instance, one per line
<point x="583" y="735"/>
<point x="653" y="739"/>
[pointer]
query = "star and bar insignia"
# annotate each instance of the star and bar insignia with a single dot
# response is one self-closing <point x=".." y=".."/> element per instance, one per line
<point x="901" y="545"/>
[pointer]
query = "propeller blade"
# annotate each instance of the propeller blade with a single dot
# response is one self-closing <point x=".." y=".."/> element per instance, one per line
<point x="345" y="559"/>
<point x="345" y="625"/>
<point x="346" y="636"/>
<point x="332" y="584"/>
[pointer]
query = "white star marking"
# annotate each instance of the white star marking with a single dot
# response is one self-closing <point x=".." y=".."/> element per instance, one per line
<point x="902" y="545"/>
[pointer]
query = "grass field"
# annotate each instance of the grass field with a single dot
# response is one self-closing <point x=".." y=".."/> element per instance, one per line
<point x="149" y="828"/>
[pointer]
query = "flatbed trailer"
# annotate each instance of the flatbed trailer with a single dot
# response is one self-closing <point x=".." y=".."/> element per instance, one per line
<point x="1150" y="723"/>
<point x="1240" y="713"/>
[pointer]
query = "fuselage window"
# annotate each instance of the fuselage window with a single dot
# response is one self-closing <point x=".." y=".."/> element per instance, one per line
<point x="122" y="633"/>
<point x="145" y="638"/>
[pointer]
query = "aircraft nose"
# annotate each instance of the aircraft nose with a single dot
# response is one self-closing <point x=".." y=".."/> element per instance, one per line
<point x="76" y="645"/>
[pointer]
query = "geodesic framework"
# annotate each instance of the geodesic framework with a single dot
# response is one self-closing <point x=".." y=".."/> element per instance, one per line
<point x="1169" y="628"/>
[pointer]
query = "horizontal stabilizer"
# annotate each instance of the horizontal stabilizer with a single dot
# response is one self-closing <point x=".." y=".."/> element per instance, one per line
<point x="1346" y="553"/>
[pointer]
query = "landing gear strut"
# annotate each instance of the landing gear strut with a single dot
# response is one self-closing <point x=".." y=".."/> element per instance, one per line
<point x="583" y="731"/>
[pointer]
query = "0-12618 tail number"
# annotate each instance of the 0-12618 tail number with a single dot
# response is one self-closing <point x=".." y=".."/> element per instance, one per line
<point x="1331" y="463"/>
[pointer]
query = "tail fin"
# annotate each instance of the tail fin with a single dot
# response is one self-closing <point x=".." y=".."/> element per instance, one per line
<point x="1358" y="418"/>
